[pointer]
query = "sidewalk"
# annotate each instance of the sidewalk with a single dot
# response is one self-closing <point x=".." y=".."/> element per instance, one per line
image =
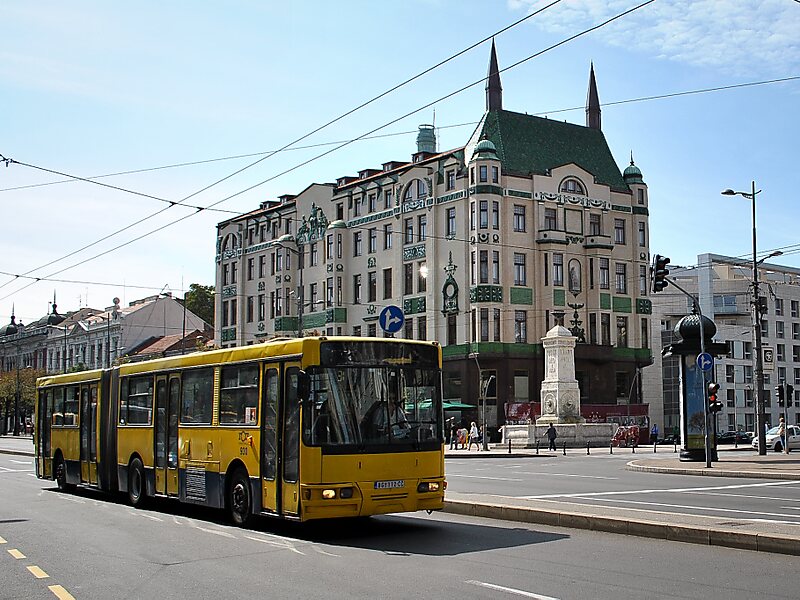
<point x="763" y="536"/>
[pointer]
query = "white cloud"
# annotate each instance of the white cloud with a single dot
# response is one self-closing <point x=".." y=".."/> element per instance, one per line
<point x="737" y="37"/>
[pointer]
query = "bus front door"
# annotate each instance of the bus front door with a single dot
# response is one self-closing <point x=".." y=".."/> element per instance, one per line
<point x="88" y="425"/>
<point x="270" y="389"/>
<point x="290" y="443"/>
<point x="44" y="414"/>
<point x="166" y="438"/>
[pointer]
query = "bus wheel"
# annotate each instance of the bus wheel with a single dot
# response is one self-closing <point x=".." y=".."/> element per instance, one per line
<point x="136" y="483"/>
<point x="239" y="498"/>
<point x="61" y="475"/>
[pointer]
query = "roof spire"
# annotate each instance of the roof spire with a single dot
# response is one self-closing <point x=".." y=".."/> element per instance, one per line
<point x="592" y="102"/>
<point x="494" y="91"/>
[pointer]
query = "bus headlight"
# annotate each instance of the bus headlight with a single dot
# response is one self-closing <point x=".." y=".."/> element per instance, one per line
<point x="346" y="493"/>
<point x="329" y="494"/>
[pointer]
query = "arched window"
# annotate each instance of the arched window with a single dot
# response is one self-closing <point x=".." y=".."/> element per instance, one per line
<point x="573" y="186"/>
<point x="230" y="242"/>
<point x="415" y="189"/>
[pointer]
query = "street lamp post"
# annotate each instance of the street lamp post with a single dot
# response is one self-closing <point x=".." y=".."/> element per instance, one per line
<point x="761" y="417"/>
<point x="300" y="289"/>
<point x="482" y="390"/>
<point x="16" y="398"/>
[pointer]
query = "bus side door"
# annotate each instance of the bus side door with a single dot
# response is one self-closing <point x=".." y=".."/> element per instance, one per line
<point x="290" y="442"/>
<point x="88" y="426"/>
<point x="166" y="438"/>
<point x="44" y="417"/>
<point x="270" y="388"/>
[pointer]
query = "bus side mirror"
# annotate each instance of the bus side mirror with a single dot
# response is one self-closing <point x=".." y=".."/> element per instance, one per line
<point x="303" y="386"/>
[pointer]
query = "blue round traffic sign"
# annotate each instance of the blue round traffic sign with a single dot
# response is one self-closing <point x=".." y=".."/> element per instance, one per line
<point x="391" y="319"/>
<point x="705" y="361"/>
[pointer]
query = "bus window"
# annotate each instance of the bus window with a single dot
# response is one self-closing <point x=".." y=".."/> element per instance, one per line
<point x="71" y="403"/>
<point x="239" y="395"/>
<point x="136" y="407"/>
<point x="58" y="406"/>
<point x="198" y="395"/>
<point x="291" y="429"/>
<point x="270" y="396"/>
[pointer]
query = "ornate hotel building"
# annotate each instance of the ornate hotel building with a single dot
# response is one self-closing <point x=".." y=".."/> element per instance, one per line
<point x="485" y="247"/>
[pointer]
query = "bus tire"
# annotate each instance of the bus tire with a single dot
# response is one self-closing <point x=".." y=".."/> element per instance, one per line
<point x="240" y="499"/>
<point x="61" y="475"/>
<point x="136" y="485"/>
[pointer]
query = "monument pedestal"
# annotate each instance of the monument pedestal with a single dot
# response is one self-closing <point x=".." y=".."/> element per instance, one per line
<point x="574" y="435"/>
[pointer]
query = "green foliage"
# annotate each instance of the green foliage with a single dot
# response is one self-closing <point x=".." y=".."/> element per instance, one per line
<point x="200" y="300"/>
<point x="27" y="387"/>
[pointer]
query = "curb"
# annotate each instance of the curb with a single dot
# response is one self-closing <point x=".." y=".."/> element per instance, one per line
<point x="784" y="475"/>
<point x="17" y="452"/>
<point x="641" y="528"/>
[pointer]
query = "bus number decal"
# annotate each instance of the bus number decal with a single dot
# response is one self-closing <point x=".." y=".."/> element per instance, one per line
<point x="243" y="451"/>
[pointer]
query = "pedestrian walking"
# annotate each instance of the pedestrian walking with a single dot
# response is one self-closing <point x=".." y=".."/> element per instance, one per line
<point x="551" y="434"/>
<point x="654" y="433"/>
<point x="474" y="436"/>
<point x="454" y="437"/>
<point x="782" y="433"/>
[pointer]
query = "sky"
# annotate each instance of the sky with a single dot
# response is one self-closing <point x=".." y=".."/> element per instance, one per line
<point x="91" y="89"/>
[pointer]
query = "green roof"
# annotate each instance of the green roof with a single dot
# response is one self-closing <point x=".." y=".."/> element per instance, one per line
<point x="528" y="144"/>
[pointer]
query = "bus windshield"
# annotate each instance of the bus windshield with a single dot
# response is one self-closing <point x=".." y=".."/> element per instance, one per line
<point x="385" y="406"/>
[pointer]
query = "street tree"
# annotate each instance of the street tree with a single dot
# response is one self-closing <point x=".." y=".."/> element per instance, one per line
<point x="200" y="300"/>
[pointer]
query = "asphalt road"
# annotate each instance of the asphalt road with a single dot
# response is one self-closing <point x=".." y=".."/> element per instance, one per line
<point x="602" y="480"/>
<point x="95" y="547"/>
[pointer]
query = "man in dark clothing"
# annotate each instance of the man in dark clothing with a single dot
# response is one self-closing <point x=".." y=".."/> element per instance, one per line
<point x="551" y="434"/>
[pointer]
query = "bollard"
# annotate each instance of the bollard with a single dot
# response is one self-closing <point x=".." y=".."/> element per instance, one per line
<point x="537" y="447"/>
<point x="587" y="448"/>
<point x="509" y="446"/>
<point x="735" y="442"/>
<point x="633" y="448"/>
<point x="564" y="448"/>
<point x="655" y="445"/>
<point x="675" y="447"/>
<point x="611" y="448"/>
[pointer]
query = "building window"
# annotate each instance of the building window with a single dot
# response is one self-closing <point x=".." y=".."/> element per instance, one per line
<point x="520" y="276"/>
<point x="450" y="222"/>
<point x="357" y="206"/>
<point x="730" y="374"/>
<point x="387" y="236"/>
<point x="356" y="330"/>
<point x="573" y="186"/>
<point x="780" y="351"/>
<point x="357" y="289"/>
<point x="795" y="308"/>
<point x="357" y="249"/>
<point x="558" y="268"/>
<point x="795" y="353"/>
<point x="495" y="175"/>
<point x="251" y="309"/>
<point x="329" y="292"/>
<point x="422" y="278"/>
<point x="796" y="331"/>
<point x="262" y="307"/>
<point x="747" y="350"/>
<point x="642" y="237"/>
<point x="472" y="268"/>
<point x="372" y="286"/>
<point x="312" y="292"/>
<point x="496" y="323"/>
<point x="550" y="219"/>
<point x="472" y="216"/>
<point x="329" y="247"/>
<point x="387" y="199"/>
<point x="338" y="245"/>
<point x="495" y="215"/>
<point x="520" y="327"/>
<point x="225" y="277"/>
<point x="451" y="330"/>
<point x="592" y="328"/>
<point x="622" y="332"/>
<point x="605" y="275"/>
<point x="619" y="231"/>
<point x="262" y="265"/>
<point x="471" y="175"/>
<point x="764" y="329"/>
<point x="408" y="278"/>
<point x="483" y="174"/>
<point x="372" y="240"/>
<point x="409" y="329"/>
<point x="640" y="196"/>
<point x="519" y="218"/>
<point x="645" y="334"/>
<point x="387" y="284"/>
<point x="779" y="329"/>
<point x="605" y="329"/>
<point x="484" y="266"/>
<point x="778" y="307"/>
<point x="642" y="280"/>
<point x="484" y="324"/>
<point x="225" y="321"/>
<point x="422" y="328"/>
<point x="279" y="302"/>
<point x="484" y="214"/>
<point x="495" y="267"/>
<point x="372" y="330"/>
<point x="422" y="228"/>
<point x="251" y="267"/>
<point x="594" y="224"/>
<point x="621" y="281"/>
<point x="408" y="231"/>
<point x="451" y="179"/>
<point x="372" y="202"/>
<point x="313" y="255"/>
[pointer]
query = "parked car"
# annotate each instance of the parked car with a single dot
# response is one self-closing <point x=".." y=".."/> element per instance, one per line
<point x="733" y="437"/>
<point x="774" y="440"/>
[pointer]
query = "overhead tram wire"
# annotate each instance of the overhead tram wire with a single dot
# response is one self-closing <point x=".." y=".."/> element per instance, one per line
<point x="301" y="138"/>
<point x="429" y="104"/>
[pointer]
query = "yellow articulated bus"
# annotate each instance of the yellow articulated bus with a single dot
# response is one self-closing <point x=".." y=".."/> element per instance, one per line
<point x="306" y="428"/>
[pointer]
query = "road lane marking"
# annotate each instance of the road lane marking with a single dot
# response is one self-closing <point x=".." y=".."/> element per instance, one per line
<point x="563" y="475"/>
<point x="286" y="545"/>
<point x="659" y="491"/>
<point x="146" y="516"/>
<point x="60" y="592"/>
<point x="449" y="475"/>
<point x="214" y="531"/>
<point x="745" y="496"/>
<point x="502" y="588"/>
<point x="21" y="462"/>
<point x="16" y="553"/>
<point x="2" y="541"/>
<point x="37" y="572"/>
<point x="706" y="508"/>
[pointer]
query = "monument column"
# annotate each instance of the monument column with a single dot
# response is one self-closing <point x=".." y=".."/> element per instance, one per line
<point x="560" y="393"/>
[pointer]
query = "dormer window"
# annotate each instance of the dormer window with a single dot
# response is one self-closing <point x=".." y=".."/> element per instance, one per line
<point x="573" y="186"/>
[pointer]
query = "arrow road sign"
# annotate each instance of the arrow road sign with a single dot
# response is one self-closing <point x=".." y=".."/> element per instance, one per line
<point x="391" y="319"/>
<point x="705" y="361"/>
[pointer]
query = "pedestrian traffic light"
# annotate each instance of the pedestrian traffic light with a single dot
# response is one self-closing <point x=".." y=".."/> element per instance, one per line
<point x="660" y="273"/>
<point x="714" y="405"/>
<point x="789" y="395"/>
<point x="779" y="394"/>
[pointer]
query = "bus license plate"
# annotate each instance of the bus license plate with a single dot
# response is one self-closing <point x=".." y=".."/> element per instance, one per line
<point x="388" y="485"/>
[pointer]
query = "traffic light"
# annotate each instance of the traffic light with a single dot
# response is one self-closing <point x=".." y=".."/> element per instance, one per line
<point x="789" y="395"/>
<point x="779" y="394"/>
<point x="660" y="273"/>
<point x="714" y="405"/>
